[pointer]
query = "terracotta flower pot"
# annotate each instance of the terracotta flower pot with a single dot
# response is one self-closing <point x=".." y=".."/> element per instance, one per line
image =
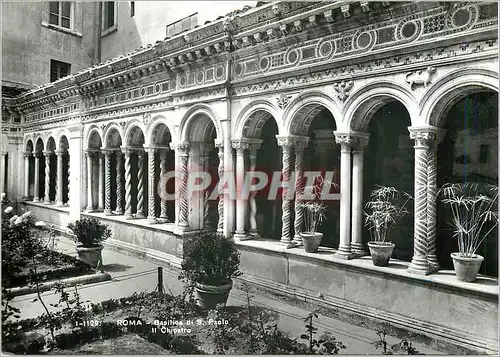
<point x="311" y="241"/>
<point x="381" y="252"/>
<point x="209" y="296"/>
<point x="466" y="268"/>
<point x="91" y="255"/>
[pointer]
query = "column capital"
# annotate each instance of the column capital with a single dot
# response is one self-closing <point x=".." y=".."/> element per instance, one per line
<point x="47" y="153"/>
<point x="426" y="136"/>
<point x="241" y="145"/>
<point x="127" y="150"/>
<point x="91" y="152"/>
<point x="219" y="143"/>
<point x="292" y="141"/>
<point x="360" y="141"/>
<point x="37" y="154"/>
<point x="182" y="147"/>
<point x="27" y="153"/>
<point x="60" y="152"/>
<point x="140" y="152"/>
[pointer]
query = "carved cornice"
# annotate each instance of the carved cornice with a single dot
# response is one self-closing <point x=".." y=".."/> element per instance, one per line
<point x="426" y="136"/>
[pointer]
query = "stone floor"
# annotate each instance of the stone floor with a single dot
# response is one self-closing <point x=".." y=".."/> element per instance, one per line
<point x="130" y="274"/>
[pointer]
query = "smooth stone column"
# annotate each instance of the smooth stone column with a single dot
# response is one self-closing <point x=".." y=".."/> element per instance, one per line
<point x="344" y="251"/>
<point x="36" y="185"/>
<point x="419" y="264"/>
<point x="432" y="192"/>
<point x="60" y="188"/>
<point x="240" y="147"/>
<point x="163" y="173"/>
<point x="26" y="155"/>
<point x="300" y="145"/>
<point x="254" y="232"/>
<point x="360" y="143"/>
<point x="183" y="152"/>
<point x="140" y="185"/>
<point x="119" y="183"/>
<point x="151" y="185"/>
<point x="128" y="182"/>
<point x="107" y="181"/>
<point x="220" y="170"/>
<point x="90" y="203"/>
<point x="47" y="155"/>
<point x="286" y="144"/>
<point x="100" y="201"/>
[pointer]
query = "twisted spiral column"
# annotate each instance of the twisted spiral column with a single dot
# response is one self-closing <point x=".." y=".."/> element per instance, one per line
<point x="119" y="183"/>
<point x="90" y="203"/>
<point x="47" y="155"/>
<point x="220" y="204"/>
<point x="128" y="182"/>
<point x="419" y="264"/>
<point x="59" y="190"/>
<point x="69" y="176"/>
<point x="36" y="188"/>
<point x="163" y="173"/>
<point x="345" y="141"/>
<point x="140" y="185"/>
<point x="100" y="201"/>
<point x="26" y="155"/>
<point x="183" y="152"/>
<point x="107" y="182"/>
<point x="432" y="193"/>
<point x="254" y="231"/>
<point x="299" y="186"/>
<point x="151" y="186"/>
<point x="287" y="146"/>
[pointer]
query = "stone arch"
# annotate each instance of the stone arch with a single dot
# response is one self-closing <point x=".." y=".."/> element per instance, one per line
<point x="447" y="91"/>
<point x="160" y="134"/>
<point x="252" y="118"/>
<point x="94" y="140"/>
<point x="112" y="136"/>
<point x="134" y="134"/>
<point x="364" y="103"/>
<point x="159" y="126"/>
<point x="39" y="144"/>
<point x="88" y="131"/>
<point x="50" y="144"/>
<point x="29" y="146"/>
<point x="195" y="125"/>
<point x="63" y="143"/>
<point x="300" y="113"/>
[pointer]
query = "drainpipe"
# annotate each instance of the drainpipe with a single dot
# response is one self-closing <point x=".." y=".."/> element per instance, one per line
<point x="98" y="29"/>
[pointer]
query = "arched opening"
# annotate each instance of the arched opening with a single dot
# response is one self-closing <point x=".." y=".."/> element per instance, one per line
<point x="39" y="170"/>
<point x="113" y="144"/>
<point x="51" y="160"/>
<point x="135" y="141"/>
<point x="203" y="157"/>
<point x="94" y="147"/>
<point x="322" y="154"/>
<point x="389" y="160"/>
<point x="164" y="161"/>
<point x="30" y="174"/>
<point x="468" y="153"/>
<point x="63" y="147"/>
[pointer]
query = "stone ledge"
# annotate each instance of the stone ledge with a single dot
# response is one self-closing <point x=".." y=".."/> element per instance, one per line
<point x="83" y="279"/>
<point x="438" y="337"/>
<point x="484" y="286"/>
<point x="43" y="205"/>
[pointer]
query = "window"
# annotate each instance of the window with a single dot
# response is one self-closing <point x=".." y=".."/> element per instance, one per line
<point x="132" y="8"/>
<point x="108" y="15"/>
<point x="483" y="154"/>
<point x="58" y="70"/>
<point x="60" y="13"/>
<point x="182" y="25"/>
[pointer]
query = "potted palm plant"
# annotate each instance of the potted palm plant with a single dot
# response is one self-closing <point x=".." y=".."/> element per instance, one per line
<point x="314" y="213"/>
<point x="89" y="234"/>
<point x="386" y="207"/>
<point x="210" y="263"/>
<point x="475" y="215"/>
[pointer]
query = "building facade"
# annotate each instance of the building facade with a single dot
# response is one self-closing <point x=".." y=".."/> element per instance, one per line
<point x="378" y="93"/>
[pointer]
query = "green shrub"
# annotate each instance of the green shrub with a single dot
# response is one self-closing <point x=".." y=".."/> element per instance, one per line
<point x="90" y="232"/>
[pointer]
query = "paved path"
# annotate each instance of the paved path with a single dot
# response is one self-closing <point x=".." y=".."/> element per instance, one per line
<point x="131" y="274"/>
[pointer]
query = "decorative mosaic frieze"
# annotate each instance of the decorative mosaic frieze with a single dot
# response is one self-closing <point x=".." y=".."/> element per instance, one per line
<point x="128" y="111"/>
<point x="53" y="113"/>
<point x="202" y="76"/>
<point x="385" y="35"/>
<point x="395" y="63"/>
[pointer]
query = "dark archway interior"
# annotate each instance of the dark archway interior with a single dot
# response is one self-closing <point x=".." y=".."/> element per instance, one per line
<point x="468" y="153"/>
<point x="389" y="160"/>
<point x="269" y="161"/>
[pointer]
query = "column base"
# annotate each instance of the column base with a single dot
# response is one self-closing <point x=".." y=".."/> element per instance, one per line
<point x="108" y="212"/>
<point x="100" y="209"/>
<point x="152" y="220"/>
<point x="36" y="199"/>
<point x="183" y="227"/>
<point x="129" y="216"/>
<point x="118" y="213"/>
<point x="89" y="209"/>
<point x="47" y="202"/>
<point x="359" y="250"/>
<point x="345" y="255"/>
<point x="433" y="263"/>
<point x="254" y="234"/>
<point x="26" y="198"/>
<point x="59" y="204"/>
<point x="140" y="216"/>
<point x="419" y="266"/>
<point x="240" y="236"/>
<point x="297" y="240"/>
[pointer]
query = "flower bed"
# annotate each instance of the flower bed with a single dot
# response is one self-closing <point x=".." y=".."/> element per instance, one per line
<point x="52" y="265"/>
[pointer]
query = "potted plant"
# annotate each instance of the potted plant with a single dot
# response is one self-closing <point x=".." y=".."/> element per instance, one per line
<point x="475" y="215"/>
<point x="386" y="207"/>
<point x="314" y="213"/>
<point x="210" y="263"/>
<point x="89" y="234"/>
